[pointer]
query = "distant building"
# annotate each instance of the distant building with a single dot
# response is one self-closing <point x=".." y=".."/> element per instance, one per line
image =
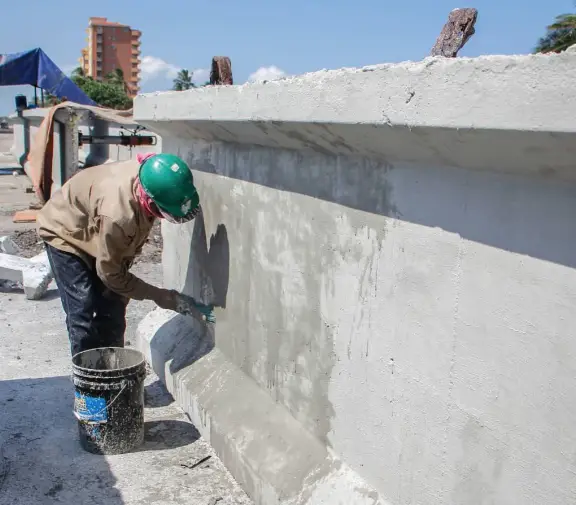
<point x="112" y="46"/>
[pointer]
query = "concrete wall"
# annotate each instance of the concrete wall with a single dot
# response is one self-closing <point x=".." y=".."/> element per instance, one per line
<point x="393" y="252"/>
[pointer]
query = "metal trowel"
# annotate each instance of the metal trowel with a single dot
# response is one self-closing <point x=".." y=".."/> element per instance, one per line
<point x="187" y="306"/>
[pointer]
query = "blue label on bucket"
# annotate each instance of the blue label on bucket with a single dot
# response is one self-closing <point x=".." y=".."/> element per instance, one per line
<point x="91" y="409"/>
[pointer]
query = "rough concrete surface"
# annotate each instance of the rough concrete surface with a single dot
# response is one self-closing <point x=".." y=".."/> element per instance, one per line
<point x="504" y="113"/>
<point x="40" y="459"/>
<point x="485" y="92"/>
<point x="382" y="276"/>
<point x="271" y="455"/>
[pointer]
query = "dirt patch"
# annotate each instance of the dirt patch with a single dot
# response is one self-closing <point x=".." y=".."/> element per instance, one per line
<point x="29" y="245"/>
<point x="28" y="242"/>
<point x="152" y="250"/>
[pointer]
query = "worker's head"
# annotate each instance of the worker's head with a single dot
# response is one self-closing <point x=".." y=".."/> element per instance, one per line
<point x="168" y="181"/>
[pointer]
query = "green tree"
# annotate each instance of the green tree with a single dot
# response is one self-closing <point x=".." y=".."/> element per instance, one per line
<point x="560" y="35"/>
<point x="108" y="93"/>
<point x="77" y="72"/>
<point x="117" y="79"/>
<point x="183" y="81"/>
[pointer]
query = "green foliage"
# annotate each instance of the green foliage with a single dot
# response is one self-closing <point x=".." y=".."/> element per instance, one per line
<point x="108" y="93"/>
<point x="560" y="35"/>
<point x="183" y="81"/>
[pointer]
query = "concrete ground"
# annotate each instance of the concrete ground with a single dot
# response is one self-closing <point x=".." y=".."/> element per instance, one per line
<point x="13" y="194"/>
<point x="41" y="461"/>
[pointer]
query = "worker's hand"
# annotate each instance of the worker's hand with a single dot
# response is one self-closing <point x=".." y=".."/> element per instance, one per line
<point x="187" y="305"/>
<point x="207" y="311"/>
<point x="166" y="299"/>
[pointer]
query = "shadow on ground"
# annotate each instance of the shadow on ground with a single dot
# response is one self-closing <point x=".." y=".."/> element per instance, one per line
<point x="156" y="395"/>
<point x="168" y="434"/>
<point x="41" y="461"/>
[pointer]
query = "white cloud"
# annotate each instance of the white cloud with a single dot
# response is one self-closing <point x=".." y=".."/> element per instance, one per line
<point x="156" y="68"/>
<point x="267" y="74"/>
<point x="153" y="67"/>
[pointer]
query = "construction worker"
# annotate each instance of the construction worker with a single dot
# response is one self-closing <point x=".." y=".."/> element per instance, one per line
<point x="95" y="226"/>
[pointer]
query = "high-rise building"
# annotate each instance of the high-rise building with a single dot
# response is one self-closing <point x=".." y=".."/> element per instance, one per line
<point x="112" y="46"/>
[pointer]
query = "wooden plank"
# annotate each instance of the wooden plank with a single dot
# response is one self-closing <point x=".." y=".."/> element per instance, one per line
<point x="456" y="32"/>
<point x="221" y="72"/>
<point x="25" y="216"/>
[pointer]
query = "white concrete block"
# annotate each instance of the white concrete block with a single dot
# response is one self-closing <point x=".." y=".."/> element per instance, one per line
<point x="41" y="258"/>
<point x="35" y="276"/>
<point x="7" y="245"/>
<point x="270" y="454"/>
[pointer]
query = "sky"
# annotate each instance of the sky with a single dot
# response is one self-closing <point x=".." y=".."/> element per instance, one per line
<point x="267" y="38"/>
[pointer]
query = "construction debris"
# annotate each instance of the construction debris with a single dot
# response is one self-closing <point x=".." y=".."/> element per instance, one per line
<point x="198" y="463"/>
<point x="28" y="243"/>
<point x="456" y="32"/>
<point x="33" y="274"/>
<point x="25" y="216"/>
<point x="221" y="72"/>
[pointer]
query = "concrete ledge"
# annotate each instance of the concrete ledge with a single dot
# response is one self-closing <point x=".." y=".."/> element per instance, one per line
<point x="510" y="112"/>
<point x="270" y="454"/>
<point x="503" y="92"/>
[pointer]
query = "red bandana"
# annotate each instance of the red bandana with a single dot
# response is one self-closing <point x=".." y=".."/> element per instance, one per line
<point x="146" y="202"/>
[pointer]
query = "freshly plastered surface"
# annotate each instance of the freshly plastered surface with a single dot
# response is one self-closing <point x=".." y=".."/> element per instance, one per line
<point x="395" y="270"/>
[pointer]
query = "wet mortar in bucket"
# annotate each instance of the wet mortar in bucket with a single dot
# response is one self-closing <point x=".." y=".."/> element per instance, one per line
<point x="109" y="399"/>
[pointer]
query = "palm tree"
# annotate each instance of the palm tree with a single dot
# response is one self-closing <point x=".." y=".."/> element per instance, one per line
<point x="183" y="81"/>
<point x="561" y="35"/>
<point x="116" y="78"/>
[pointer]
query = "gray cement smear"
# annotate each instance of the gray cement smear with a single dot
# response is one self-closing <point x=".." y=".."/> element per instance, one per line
<point x="291" y="354"/>
<point x="401" y="278"/>
<point x="292" y="219"/>
<point x="270" y="454"/>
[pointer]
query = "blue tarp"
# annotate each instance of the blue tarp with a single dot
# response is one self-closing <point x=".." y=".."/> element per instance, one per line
<point x="35" y="68"/>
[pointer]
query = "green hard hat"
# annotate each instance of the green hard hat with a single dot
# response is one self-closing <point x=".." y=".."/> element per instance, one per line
<point x="168" y="181"/>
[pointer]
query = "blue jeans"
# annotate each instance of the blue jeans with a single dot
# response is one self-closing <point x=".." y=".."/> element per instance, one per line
<point x="95" y="315"/>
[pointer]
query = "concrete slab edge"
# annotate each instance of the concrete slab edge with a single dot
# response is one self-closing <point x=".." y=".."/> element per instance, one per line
<point x="511" y="92"/>
<point x="269" y="453"/>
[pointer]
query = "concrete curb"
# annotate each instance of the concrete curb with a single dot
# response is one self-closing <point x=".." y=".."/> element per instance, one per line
<point x="269" y="453"/>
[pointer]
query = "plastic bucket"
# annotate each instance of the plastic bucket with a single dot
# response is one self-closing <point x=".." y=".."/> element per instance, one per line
<point x="109" y="399"/>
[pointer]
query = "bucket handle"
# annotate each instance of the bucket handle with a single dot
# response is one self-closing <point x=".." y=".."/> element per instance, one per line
<point x="124" y="384"/>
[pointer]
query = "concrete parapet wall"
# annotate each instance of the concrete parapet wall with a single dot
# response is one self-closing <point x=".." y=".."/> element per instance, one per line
<point x="393" y="252"/>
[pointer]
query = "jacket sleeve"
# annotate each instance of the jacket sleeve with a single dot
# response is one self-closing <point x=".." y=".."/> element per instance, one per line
<point x="113" y="262"/>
